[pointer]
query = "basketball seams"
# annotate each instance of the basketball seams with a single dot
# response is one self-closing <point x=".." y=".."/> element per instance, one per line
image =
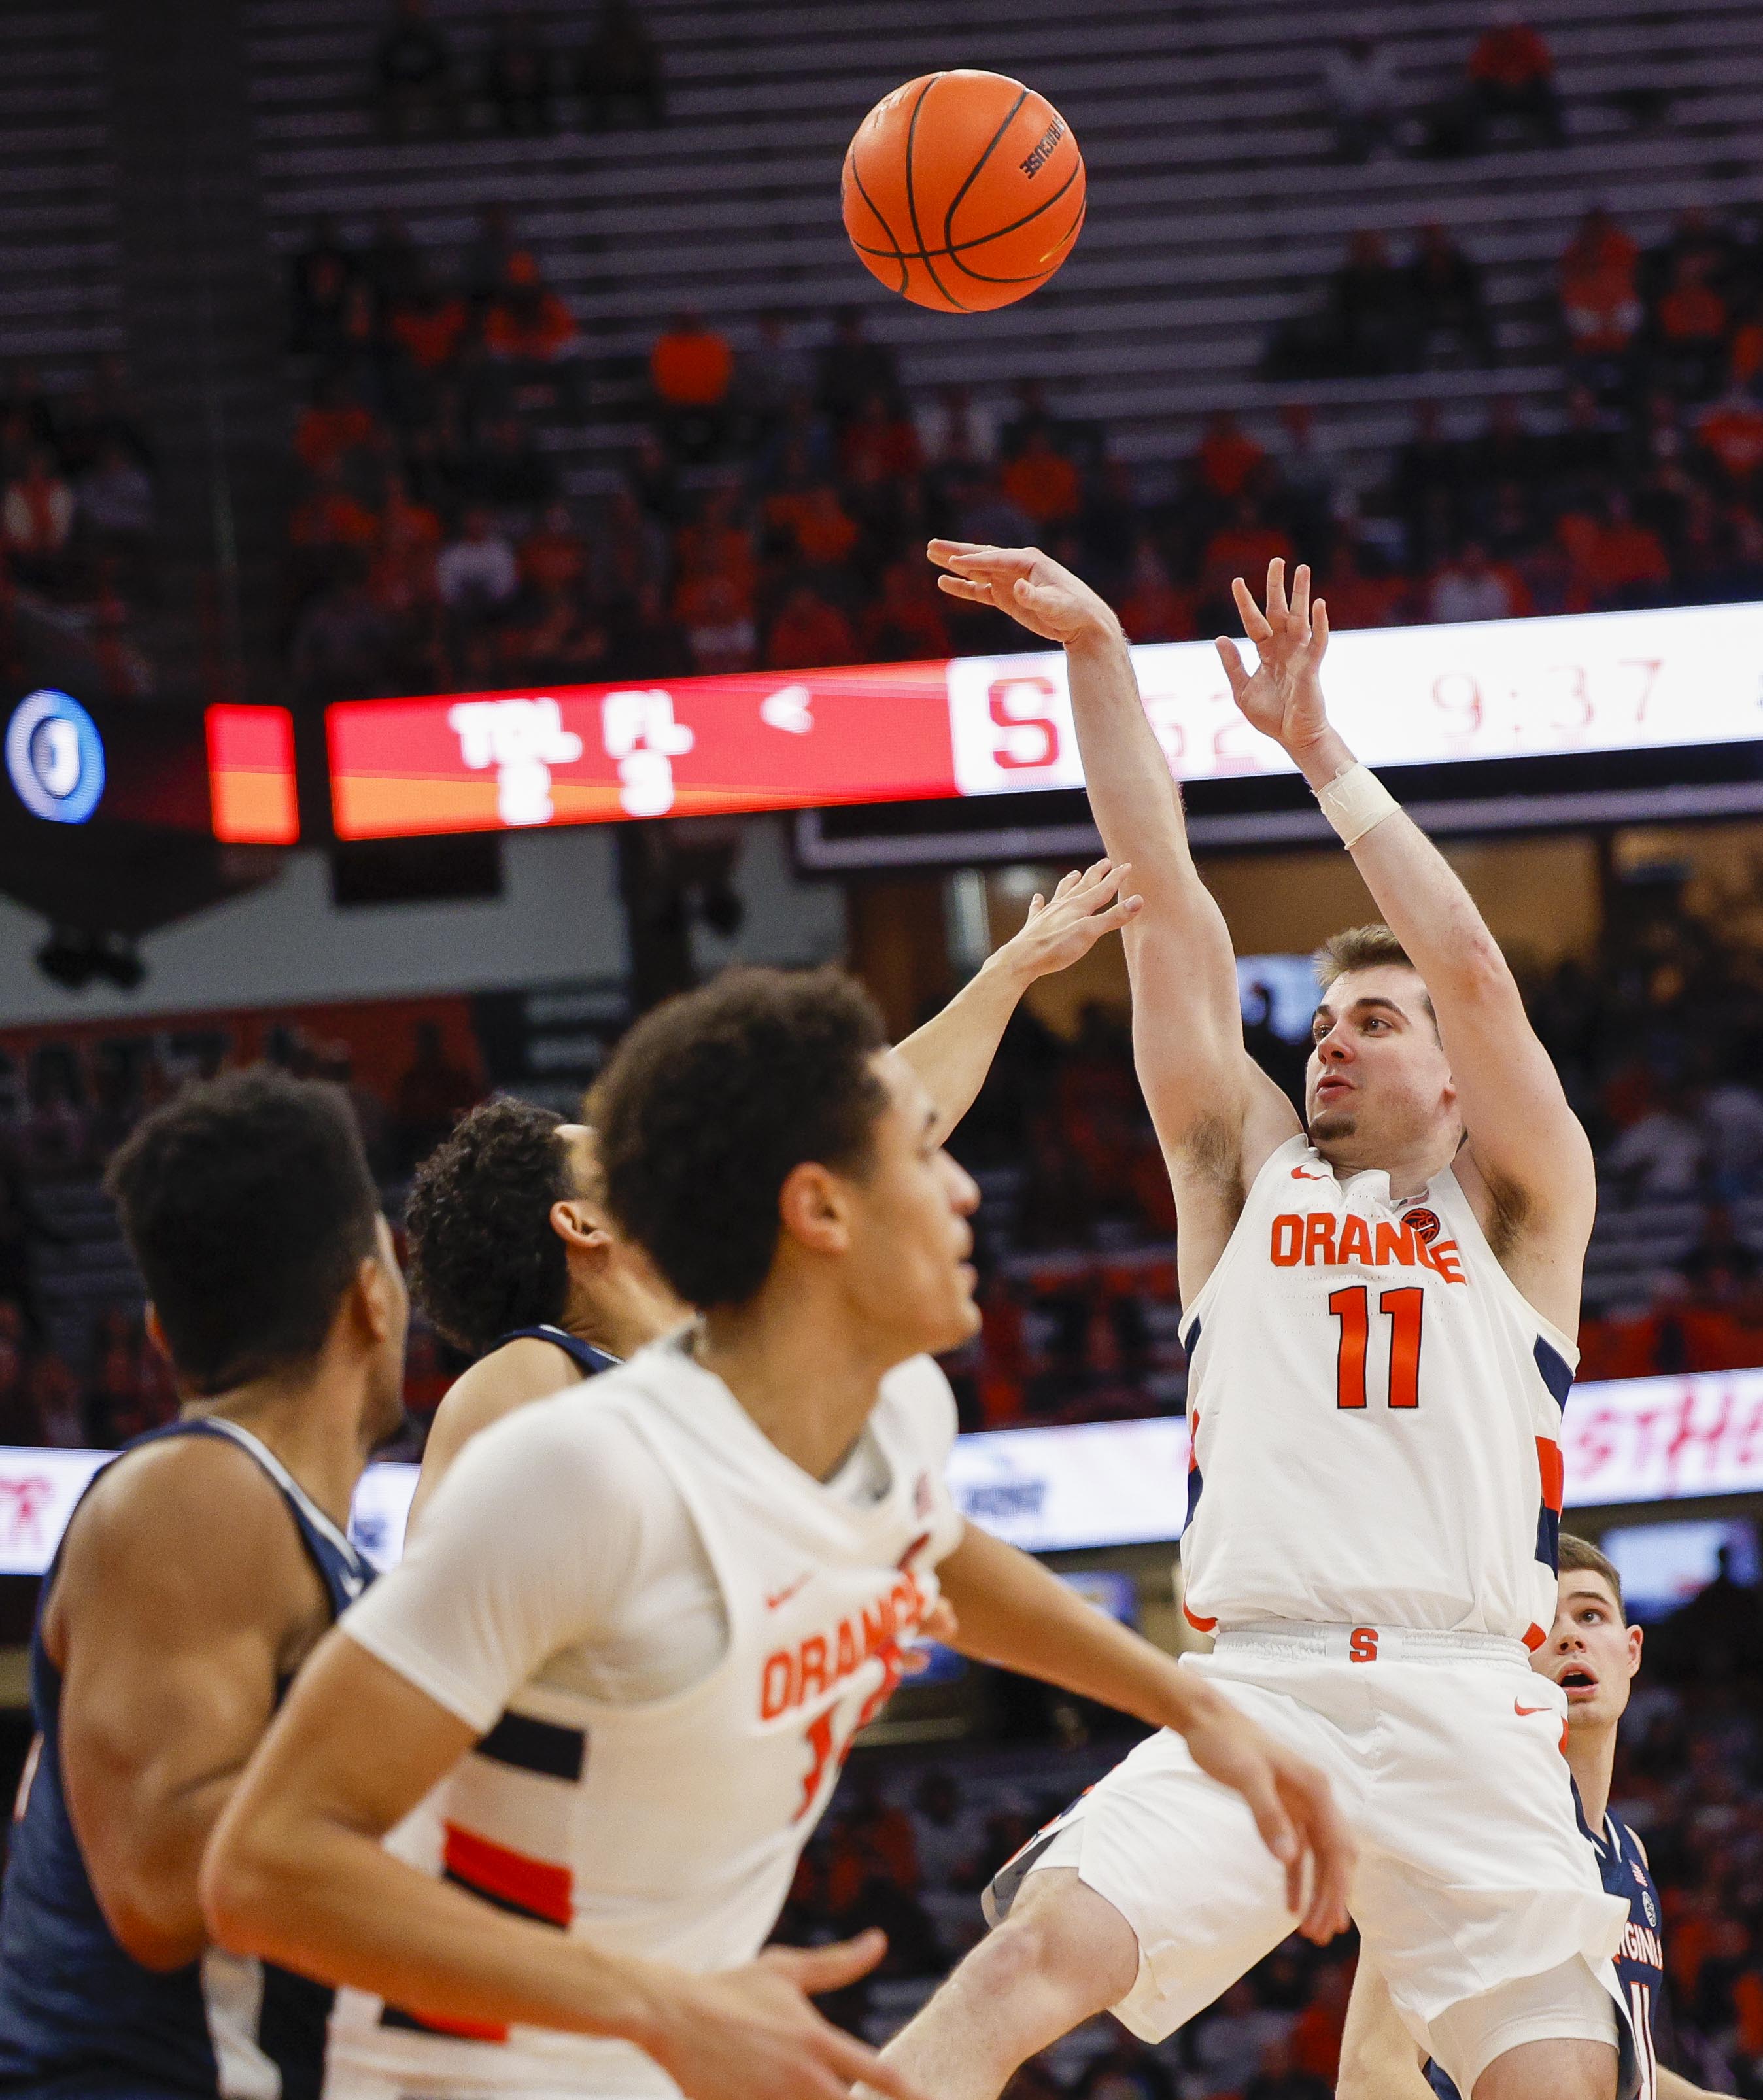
<point x="957" y="249"/>
<point x="1060" y="248"/>
<point x="973" y="173"/>
<point x="912" y="206"/>
<point x="896" y="254"/>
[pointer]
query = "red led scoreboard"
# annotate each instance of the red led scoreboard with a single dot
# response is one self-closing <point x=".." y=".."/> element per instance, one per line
<point x="1588" y="702"/>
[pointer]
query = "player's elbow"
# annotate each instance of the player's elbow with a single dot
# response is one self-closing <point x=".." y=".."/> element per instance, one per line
<point x="243" y="1885"/>
<point x="159" y="1926"/>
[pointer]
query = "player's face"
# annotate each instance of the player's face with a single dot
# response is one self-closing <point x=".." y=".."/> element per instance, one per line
<point x="1590" y="1652"/>
<point x="907" y="1273"/>
<point x="1376" y="1075"/>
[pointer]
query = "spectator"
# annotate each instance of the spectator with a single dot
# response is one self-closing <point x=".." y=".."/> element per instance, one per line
<point x="1364" y="97"/>
<point x="1617" y="561"/>
<point x="1244" y="543"/>
<point x="1370" y="312"/>
<point x="1356" y="598"/>
<point x="809" y="633"/>
<point x="431" y="1096"/>
<point x="1720" y="1267"/>
<point x="620" y="72"/>
<point x="718" y="624"/>
<point x="1512" y="76"/>
<point x="115" y="501"/>
<point x="851" y="368"/>
<point x="476" y="572"/>
<point x="955" y="425"/>
<point x="56" y="1402"/>
<point x="691" y="369"/>
<point x="1470" y="587"/>
<point x="1227" y="457"/>
<point x="517" y="76"/>
<point x="771" y="375"/>
<point x="1731" y="1117"/>
<point x="319" y="280"/>
<point x="1450" y="305"/>
<point x="508" y="474"/>
<point x="1600" y="307"/>
<point x="531" y="332"/>
<point x="1661" y="1155"/>
<point x="1730" y="432"/>
<point x="880" y="444"/>
<point x="1043" y="483"/>
<point x="908" y="624"/>
<point x="331" y="516"/>
<point x="36" y="521"/>
<point x="1690" y="328"/>
<point x="414" y="75"/>
<point x="1307" y="475"/>
<point x="331" y="426"/>
<point x="342" y="645"/>
<point x="1154" y="608"/>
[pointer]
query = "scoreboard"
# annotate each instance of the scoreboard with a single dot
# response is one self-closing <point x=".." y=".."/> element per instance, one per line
<point x="1660" y="703"/>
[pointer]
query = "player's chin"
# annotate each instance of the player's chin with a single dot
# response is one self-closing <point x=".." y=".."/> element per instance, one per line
<point x="1327" y="1124"/>
<point x="961" y="1322"/>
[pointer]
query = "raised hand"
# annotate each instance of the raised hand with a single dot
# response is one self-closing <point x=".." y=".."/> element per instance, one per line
<point x="1282" y="697"/>
<point x="1061" y="930"/>
<point x="751" y="2033"/>
<point x="1031" y="586"/>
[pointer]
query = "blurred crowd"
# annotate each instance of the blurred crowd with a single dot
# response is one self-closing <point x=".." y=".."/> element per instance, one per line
<point x="78" y="521"/>
<point x="772" y="511"/>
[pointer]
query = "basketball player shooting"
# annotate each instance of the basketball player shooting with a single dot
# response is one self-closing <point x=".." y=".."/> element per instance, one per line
<point x="1378" y="1315"/>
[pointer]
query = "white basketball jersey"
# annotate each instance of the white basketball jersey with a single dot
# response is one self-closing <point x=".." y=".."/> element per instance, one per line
<point x="1375" y="1414"/>
<point x="671" y="1830"/>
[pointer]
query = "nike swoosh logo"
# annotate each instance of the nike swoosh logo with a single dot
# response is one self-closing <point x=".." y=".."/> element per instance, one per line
<point x="1518" y="1709"/>
<point x="780" y="1597"/>
<point x="1304" y="1174"/>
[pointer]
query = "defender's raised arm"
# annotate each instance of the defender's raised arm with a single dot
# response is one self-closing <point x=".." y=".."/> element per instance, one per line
<point x="1528" y="1165"/>
<point x="1217" y="1115"/>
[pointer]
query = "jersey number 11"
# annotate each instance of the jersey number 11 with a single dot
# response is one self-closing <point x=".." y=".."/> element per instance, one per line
<point x="1352" y="1308"/>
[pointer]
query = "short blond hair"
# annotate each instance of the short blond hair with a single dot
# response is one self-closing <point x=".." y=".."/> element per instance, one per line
<point x="1358" y="948"/>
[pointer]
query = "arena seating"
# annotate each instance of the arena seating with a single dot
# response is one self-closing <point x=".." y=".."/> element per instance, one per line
<point x="60" y="302"/>
<point x="1215" y="205"/>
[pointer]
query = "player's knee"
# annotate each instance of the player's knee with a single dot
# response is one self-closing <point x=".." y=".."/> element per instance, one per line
<point x="1061" y="1943"/>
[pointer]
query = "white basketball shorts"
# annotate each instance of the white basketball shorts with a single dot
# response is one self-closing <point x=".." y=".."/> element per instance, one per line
<point x="1473" y="1871"/>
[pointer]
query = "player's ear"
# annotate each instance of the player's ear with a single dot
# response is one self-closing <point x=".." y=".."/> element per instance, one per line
<point x="813" y="1208"/>
<point x="378" y="1294"/>
<point x="576" y="1224"/>
<point x="1637" y="1637"/>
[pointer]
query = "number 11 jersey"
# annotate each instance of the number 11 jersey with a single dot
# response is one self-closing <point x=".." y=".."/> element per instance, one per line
<point x="1376" y="1412"/>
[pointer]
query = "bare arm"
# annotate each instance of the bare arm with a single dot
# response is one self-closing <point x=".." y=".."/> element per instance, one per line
<point x="1013" y="1612"/>
<point x="297" y="1872"/>
<point x="1217" y="1115"/>
<point x="172" y="1628"/>
<point x="1672" y="2087"/>
<point x="953" y="1052"/>
<point x="1537" y="1188"/>
<point x="1380" y="2059"/>
<point x="508" y="1378"/>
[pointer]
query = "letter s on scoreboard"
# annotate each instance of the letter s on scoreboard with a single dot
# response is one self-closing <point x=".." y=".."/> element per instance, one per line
<point x="1010" y="725"/>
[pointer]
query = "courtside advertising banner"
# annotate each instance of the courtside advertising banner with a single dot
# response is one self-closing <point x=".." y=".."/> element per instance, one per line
<point x="1097" y="1484"/>
<point x="979" y="726"/>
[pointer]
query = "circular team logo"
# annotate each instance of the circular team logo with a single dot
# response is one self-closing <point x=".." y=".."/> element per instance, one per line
<point x="1649" y="1907"/>
<point x="55" y="757"/>
<point x="1426" y="1224"/>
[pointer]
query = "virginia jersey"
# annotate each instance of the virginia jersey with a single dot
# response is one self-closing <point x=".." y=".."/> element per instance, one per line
<point x="587" y="1359"/>
<point x="78" y="2013"/>
<point x="1375" y="1414"/>
<point x="1640" y="1960"/>
<point x="664" y="1826"/>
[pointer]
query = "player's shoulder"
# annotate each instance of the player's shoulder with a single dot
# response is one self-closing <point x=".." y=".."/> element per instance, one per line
<point x="198" y="1511"/>
<point x="574" y="1430"/>
<point x="513" y="1376"/>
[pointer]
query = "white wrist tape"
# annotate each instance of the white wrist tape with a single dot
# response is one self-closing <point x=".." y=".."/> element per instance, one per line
<point x="1355" y="802"/>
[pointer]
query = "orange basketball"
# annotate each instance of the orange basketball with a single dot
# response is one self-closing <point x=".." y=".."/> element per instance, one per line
<point x="963" y="191"/>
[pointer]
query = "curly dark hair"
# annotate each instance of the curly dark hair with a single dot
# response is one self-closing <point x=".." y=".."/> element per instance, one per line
<point x="711" y="1100"/>
<point x="248" y="1207"/>
<point x="482" y="1256"/>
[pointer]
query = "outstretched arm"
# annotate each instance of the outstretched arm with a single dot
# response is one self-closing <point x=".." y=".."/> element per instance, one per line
<point x="953" y="1052"/>
<point x="1530" y="1170"/>
<point x="1217" y="1115"/>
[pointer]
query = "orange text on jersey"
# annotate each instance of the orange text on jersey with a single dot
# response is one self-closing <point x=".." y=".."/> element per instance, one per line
<point x="1319" y="1239"/>
<point x="794" y="1675"/>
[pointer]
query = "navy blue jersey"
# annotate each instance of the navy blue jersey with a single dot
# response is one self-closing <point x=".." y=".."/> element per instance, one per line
<point x="1639" y="1960"/>
<point x="77" y="2016"/>
<point x="587" y="1359"/>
